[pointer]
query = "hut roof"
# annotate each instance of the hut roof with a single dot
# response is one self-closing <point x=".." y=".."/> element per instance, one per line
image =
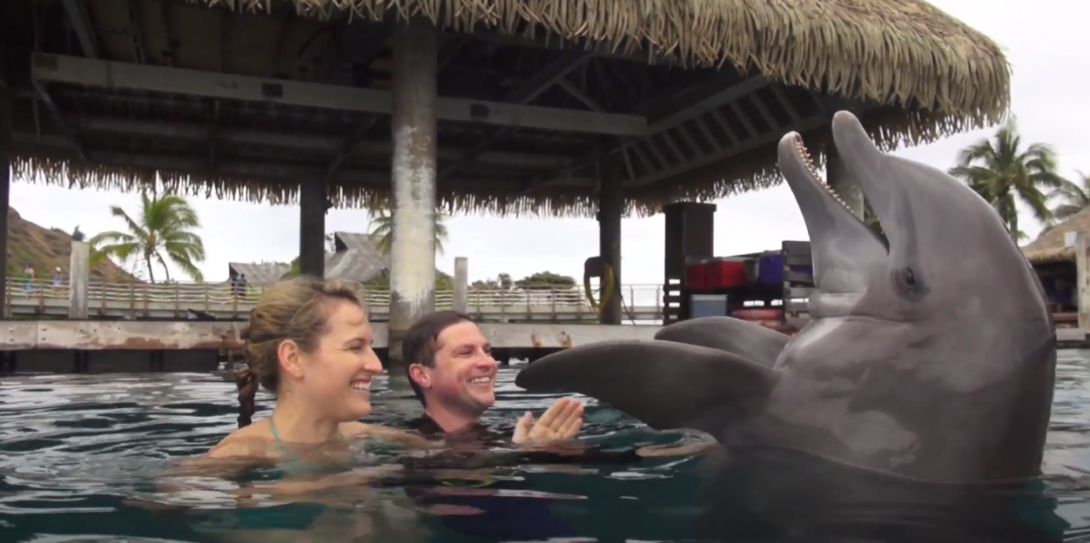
<point x="718" y="82"/>
<point x="260" y="274"/>
<point x="357" y="258"/>
<point x="1051" y="245"/>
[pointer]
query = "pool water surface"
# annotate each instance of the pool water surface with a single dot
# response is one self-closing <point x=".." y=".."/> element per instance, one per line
<point x="81" y="456"/>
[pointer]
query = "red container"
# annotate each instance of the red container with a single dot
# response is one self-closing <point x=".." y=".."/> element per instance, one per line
<point x="695" y="276"/>
<point x="725" y="273"/>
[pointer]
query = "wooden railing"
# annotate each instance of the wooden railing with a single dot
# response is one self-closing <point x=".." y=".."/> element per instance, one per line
<point x="210" y="296"/>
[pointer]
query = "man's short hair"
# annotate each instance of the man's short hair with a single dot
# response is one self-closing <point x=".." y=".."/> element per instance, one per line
<point x="422" y="340"/>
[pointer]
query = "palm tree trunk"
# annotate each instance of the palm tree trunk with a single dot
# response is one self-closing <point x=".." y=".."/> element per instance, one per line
<point x="151" y="271"/>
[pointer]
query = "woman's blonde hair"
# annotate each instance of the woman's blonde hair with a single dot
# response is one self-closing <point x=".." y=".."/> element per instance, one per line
<point x="296" y="310"/>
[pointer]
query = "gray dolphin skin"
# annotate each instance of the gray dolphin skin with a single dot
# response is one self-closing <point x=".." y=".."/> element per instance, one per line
<point x="930" y="355"/>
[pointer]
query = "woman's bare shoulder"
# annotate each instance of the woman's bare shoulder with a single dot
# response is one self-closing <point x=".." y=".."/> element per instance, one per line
<point x="251" y="441"/>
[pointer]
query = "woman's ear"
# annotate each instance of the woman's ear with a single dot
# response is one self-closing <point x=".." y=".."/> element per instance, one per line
<point x="420" y="375"/>
<point x="288" y="356"/>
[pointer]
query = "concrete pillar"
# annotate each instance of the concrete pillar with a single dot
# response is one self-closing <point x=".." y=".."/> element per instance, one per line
<point x="412" y="251"/>
<point x="5" y="177"/>
<point x="312" y="208"/>
<point x="841" y="181"/>
<point x="79" y="274"/>
<point x="610" y="210"/>
<point x="461" y="284"/>
<point x="1082" y="278"/>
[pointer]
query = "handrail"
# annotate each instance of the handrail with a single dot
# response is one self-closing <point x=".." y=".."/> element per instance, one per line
<point x="193" y="295"/>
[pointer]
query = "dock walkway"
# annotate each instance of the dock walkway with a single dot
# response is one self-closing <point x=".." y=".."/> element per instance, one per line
<point x="185" y="301"/>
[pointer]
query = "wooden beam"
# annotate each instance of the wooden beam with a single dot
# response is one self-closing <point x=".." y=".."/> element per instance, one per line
<point x="126" y="76"/>
<point x="82" y="26"/>
<point x="708" y="104"/>
<point x="548" y="76"/>
<point x="597" y="49"/>
<point x="132" y="28"/>
<point x="578" y="94"/>
<point x="733" y="150"/>
<point x="551" y="74"/>
<point x="326" y="145"/>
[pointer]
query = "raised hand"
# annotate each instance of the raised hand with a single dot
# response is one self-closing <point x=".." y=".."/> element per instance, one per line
<point x="560" y="422"/>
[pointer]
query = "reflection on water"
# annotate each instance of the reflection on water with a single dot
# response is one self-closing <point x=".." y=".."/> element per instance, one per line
<point x="79" y="454"/>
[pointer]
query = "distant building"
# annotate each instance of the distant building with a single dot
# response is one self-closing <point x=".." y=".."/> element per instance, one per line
<point x="356" y="258"/>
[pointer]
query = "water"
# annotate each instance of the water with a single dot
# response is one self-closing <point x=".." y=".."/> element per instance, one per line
<point x="80" y="454"/>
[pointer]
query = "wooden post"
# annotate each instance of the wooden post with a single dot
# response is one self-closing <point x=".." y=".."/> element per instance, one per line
<point x="610" y="210"/>
<point x="412" y="251"/>
<point x="461" y="284"/>
<point x="312" y="208"/>
<point x="79" y="274"/>
<point x="841" y="182"/>
<point x="1082" y="291"/>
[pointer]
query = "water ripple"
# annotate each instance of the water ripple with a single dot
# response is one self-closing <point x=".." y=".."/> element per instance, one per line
<point x="76" y="450"/>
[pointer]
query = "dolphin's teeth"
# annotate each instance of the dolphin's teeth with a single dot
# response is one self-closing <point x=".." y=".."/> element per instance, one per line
<point x="804" y="153"/>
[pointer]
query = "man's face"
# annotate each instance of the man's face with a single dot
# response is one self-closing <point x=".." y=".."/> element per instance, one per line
<point x="463" y="379"/>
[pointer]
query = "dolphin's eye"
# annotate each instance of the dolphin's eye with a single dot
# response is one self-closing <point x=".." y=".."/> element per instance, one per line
<point x="910" y="277"/>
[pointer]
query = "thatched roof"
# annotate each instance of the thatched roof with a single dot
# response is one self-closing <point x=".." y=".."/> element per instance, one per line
<point x="357" y="258"/>
<point x="259" y="274"/>
<point x="1051" y="245"/>
<point x="915" y="74"/>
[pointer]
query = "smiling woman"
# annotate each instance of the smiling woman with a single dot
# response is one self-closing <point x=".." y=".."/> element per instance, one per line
<point x="309" y="343"/>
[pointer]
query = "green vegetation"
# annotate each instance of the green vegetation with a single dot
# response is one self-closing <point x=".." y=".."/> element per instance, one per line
<point x="1073" y="197"/>
<point x="545" y="280"/>
<point x="382" y="227"/>
<point x="48" y="249"/>
<point x="1002" y="171"/>
<point x="163" y="230"/>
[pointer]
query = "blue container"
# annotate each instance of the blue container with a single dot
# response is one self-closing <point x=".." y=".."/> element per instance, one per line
<point x="770" y="268"/>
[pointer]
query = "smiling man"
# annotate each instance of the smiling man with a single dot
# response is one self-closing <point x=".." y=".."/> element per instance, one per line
<point x="453" y="374"/>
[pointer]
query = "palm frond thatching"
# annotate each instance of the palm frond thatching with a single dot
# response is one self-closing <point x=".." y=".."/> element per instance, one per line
<point x="1051" y="245"/>
<point x="929" y="74"/>
<point x="851" y="48"/>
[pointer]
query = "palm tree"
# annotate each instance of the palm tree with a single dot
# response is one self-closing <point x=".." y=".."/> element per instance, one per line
<point x="1074" y="197"/>
<point x="1001" y="171"/>
<point x="382" y="227"/>
<point x="162" y="232"/>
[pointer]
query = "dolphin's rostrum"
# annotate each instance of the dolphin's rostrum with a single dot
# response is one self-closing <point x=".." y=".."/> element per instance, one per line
<point x="930" y="354"/>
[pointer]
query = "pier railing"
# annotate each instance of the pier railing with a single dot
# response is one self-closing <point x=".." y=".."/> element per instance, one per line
<point x="642" y="302"/>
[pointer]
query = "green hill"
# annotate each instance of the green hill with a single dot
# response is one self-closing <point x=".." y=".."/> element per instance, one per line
<point x="47" y="249"/>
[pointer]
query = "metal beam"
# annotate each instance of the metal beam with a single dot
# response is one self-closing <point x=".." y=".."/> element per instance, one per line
<point x="83" y="27"/>
<point x="125" y="76"/>
<point x="326" y="145"/>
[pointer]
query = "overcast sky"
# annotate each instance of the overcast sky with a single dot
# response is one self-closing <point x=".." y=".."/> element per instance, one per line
<point x="1049" y="96"/>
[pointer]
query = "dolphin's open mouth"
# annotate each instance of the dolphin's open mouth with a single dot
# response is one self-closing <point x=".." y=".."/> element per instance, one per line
<point x="802" y="154"/>
<point x="844" y="248"/>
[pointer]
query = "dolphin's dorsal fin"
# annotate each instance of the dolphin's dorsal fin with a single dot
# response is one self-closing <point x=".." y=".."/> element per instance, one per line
<point x="662" y="383"/>
<point x="750" y="341"/>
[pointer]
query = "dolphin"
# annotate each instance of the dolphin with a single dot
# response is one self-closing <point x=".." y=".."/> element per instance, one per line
<point x="930" y="354"/>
